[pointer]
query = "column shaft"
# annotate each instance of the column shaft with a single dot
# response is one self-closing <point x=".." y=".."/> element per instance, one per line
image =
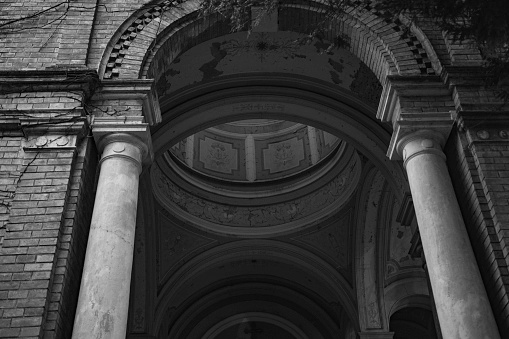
<point x="104" y="293"/>
<point x="462" y="304"/>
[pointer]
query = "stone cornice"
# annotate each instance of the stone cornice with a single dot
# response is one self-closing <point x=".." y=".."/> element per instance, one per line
<point x="398" y="86"/>
<point x="413" y="104"/>
<point x="464" y="75"/>
<point x="468" y="119"/>
<point x="50" y="80"/>
<point x="133" y="89"/>
<point x="474" y="89"/>
<point x="485" y="126"/>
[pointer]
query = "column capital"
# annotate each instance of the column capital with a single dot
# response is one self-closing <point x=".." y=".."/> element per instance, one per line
<point x="130" y="131"/>
<point x="413" y="104"/>
<point x="420" y="142"/>
<point x="140" y="94"/>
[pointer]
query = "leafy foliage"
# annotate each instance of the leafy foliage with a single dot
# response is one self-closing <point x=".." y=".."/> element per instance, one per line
<point x="484" y="22"/>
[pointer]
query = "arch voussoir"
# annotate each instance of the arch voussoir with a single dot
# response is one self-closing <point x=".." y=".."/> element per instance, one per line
<point x="386" y="46"/>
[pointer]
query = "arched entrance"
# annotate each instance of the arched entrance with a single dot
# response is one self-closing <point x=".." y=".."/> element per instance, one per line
<point x="217" y="248"/>
<point x="318" y="250"/>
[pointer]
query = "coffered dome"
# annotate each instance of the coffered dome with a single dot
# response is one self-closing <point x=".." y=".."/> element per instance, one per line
<point x="255" y="151"/>
<point x="256" y="177"/>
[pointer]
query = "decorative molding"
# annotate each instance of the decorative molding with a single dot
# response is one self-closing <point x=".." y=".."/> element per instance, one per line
<point x="406" y="212"/>
<point x="124" y="41"/>
<point x="489" y="127"/>
<point x="49" y="131"/>
<point x="133" y="89"/>
<point x="174" y="26"/>
<point x="397" y="259"/>
<point x="61" y="123"/>
<point x="50" y="143"/>
<point x="265" y="192"/>
<point x="415" y="250"/>
<point x="398" y="86"/>
<point x="50" y="80"/>
<point x="257" y="220"/>
<point x="397" y="107"/>
<point x="366" y="263"/>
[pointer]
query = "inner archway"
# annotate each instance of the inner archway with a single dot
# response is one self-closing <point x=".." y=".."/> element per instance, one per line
<point x="221" y="241"/>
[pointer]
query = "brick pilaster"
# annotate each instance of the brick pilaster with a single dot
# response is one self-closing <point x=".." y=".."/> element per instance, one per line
<point x="43" y="120"/>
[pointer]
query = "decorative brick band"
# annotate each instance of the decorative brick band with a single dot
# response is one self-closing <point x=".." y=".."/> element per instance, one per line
<point x="116" y="57"/>
<point x="387" y="46"/>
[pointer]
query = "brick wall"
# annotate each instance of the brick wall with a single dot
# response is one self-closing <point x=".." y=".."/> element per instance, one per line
<point x="478" y="175"/>
<point x="46" y="196"/>
<point x="41" y="117"/>
<point x="462" y="53"/>
<point x="46" y="216"/>
<point x="110" y="17"/>
<point x="72" y="243"/>
<point x="40" y="34"/>
<point x="29" y="249"/>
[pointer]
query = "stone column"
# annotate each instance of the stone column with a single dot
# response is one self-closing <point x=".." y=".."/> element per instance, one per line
<point x="462" y="304"/>
<point x="104" y="293"/>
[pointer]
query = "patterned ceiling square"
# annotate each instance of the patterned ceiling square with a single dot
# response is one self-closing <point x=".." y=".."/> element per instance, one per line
<point x="284" y="155"/>
<point x="218" y="156"/>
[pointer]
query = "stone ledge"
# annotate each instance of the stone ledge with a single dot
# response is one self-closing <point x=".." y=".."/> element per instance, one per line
<point x="50" y="80"/>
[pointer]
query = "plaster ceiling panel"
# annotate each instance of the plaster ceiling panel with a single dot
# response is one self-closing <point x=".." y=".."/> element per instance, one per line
<point x="286" y="155"/>
<point x="267" y="52"/>
<point x="255" y="150"/>
<point x="331" y="240"/>
<point x="218" y="156"/>
<point x="176" y="243"/>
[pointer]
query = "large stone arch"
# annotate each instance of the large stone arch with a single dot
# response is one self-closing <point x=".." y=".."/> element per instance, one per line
<point x="336" y="294"/>
<point x="153" y="39"/>
<point x="55" y="108"/>
<point x="307" y="101"/>
<point x="383" y="44"/>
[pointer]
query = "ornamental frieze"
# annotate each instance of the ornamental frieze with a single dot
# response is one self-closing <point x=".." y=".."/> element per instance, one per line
<point x="317" y="204"/>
